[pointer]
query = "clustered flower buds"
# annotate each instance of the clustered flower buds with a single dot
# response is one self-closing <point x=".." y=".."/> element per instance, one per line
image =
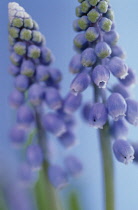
<point x="36" y="96"/>
<point x="97" y="59"/>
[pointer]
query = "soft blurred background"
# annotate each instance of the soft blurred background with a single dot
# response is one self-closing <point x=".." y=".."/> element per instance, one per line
<point x="55" y="20"/>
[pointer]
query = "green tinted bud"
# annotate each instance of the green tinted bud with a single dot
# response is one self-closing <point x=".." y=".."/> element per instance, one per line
<point x="93" y="15"/>
<point x="28" y="23"/>
<point x="85" y="6"/>
<point x="26" y="34"/>
<point x="110" y="14"/>
<point x="78" y="11"/>
<point x="36" y="36"/>
<point x="91" y="34"/>
<point x="17" y="22"/>
<point x="93" y="2"/>
<point x="105" y="24"/>
<point x="20" y="48"/>
<point x="102" y="6"/>
<point x="83" y="22"/>
<point x="14" y="32"/>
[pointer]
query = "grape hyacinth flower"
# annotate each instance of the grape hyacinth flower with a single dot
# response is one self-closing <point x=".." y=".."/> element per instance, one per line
<point x="36" y="96"/>
<point x="97" y="60"/>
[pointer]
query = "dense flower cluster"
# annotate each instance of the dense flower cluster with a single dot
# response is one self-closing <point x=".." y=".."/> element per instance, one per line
<point x="98" y="58"/>
<point x="38" y="101"/>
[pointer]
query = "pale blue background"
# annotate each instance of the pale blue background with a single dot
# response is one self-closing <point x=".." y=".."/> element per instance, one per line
<point x="55" y="21"/>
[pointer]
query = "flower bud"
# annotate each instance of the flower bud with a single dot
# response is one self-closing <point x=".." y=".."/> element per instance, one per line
<point x="34" y="156"/>
<point x="53" y="98"/>
<point x="75" y="65"/>
<point x="123" y="151"/>
<point x="80" y="83"/>
<point x="116" y="106"/>
<point x="73" y="165"/>
<point x="16" y="98"/>
<point x="72" y="103"/>
<point x="54" y="124"/>
<point x="36" y="94"/>
<point x="21" y="82"/>
<point x="132" y="111"/>
<point x="92" y="34"/>
<point x="119" y="129"/>
<point x="130" y="79"/>
<point x="98" y="115"/>
<point x="100" y="76"/>
<point x="27" y="68"/>
<point x="57" y="176"/>
<point x="88" y="57"/>
<point x="25" y="115"/>
<point x="67" y="140"/>
<point x="102" y="50"/>
<point x="118" y="68"/>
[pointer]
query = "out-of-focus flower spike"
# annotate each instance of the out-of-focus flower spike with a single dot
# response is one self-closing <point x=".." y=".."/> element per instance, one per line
<point x="67" y="140"/>
<point x="25" y="115"/>
<point x="16" y="98"/>
<point x="53" y="98"/>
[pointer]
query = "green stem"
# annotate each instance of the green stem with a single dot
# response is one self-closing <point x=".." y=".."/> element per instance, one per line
<point x="106" y="156"/>
<point x="107" y="163"/>
<point x="46" y="195"/>
<point x="74" y="203"/>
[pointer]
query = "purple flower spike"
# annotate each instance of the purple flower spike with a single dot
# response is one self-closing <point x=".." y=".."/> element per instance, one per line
<point x="116" y="106"/>
<point x="57" y="176"/>
<point x="123" y="151"/>
<point x="119" y="129"/>
<point x="130" y="79"/>
<point x="22" y="82"/>
<point x="34" y="156"/>
<point x="100" y="76"/>
<point x="132" y="112"/>
<point x="67" y="140"/>
<point x="72" y="103"/>
<point x="119" y="88"/>
<point x="88" y="57"/>
<point x="27" y="68"/>
<point x="42" y="73"/>
<point x="18" y="135"/>
<point x="16" y="98"/>
<point x="80" y="42"/>
<point x="102" y="50"/>
<point x="54" y="124"/>
<point x="25" y="115"/>
<point x="36" y="94"/>
<point x="98" y="115"/>
<point x="73" y="165"/>
<point x="80" y="82"/>
<point x="55" y="74"/>
<point x="53" y="98"/>
<point x="118" y="68"/>
<point x="75" y="65"/>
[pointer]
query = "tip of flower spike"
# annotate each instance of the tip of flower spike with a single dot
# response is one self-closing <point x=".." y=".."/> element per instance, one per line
<point x="15" y="10"/>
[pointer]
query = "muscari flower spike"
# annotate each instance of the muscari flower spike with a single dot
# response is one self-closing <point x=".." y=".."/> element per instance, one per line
<point x="98" y="59"/>
<point x="36" y="87"/>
